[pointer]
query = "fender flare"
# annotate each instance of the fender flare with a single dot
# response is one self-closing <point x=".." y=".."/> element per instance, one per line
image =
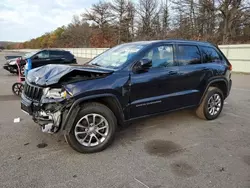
<point x="209" y="84"/>
<point x="75" y="108"/>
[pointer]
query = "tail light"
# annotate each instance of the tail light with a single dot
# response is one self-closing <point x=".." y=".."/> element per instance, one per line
<point x="230" y="67"/>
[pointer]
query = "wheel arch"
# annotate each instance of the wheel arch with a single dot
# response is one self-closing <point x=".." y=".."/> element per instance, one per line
<point x="220" y="83"/>
<point x="108" y="100"/>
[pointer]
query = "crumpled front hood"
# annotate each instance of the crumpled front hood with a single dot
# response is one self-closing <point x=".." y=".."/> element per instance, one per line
<point x="51" y="74"/>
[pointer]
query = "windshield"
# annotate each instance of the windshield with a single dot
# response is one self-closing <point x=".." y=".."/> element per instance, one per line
<point x="29" y="55"/>
<point x="117" y="56"/>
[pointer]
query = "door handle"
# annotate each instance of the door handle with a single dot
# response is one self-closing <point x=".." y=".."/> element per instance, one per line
<point x="172" y="72"/>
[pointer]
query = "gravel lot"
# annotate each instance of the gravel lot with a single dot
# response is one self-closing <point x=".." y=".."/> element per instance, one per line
<point x="176" y="150"/>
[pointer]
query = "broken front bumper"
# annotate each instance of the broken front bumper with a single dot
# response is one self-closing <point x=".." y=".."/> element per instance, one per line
<point x="47" y="115"/>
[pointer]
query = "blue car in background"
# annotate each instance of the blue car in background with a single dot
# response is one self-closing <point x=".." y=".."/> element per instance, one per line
<point x="39" y="58"/>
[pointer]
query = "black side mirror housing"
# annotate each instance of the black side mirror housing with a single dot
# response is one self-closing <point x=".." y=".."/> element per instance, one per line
<point x="35" y="57"/>
<point x="143" y="65"/>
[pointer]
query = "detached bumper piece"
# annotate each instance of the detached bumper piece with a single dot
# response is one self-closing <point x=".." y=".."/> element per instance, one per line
<point x="50" y="122"/>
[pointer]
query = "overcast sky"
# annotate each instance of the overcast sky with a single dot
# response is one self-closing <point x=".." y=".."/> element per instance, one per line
<point x="22" y="20"/>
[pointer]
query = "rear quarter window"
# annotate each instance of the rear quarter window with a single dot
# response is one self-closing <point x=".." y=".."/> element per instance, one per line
<point x="210" y="55"/>
<point x="68" y="54"/>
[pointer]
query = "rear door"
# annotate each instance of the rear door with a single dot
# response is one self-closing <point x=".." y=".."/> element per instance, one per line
<point x="56" y="57"/>
<point x="215" y="63"/>
<point x="191" y="74"/>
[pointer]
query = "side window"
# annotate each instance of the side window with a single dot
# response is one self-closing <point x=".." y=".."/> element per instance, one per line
<point x="43" y="54"/>
<point x="67" y="54"/>
<point x="209" y="55"/>
<point x="55" y="54"/>
<point x="161" y="56"/>
<point x="188" y="55"/>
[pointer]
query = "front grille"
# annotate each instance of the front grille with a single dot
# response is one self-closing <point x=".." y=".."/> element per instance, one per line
<point x="33" y="92"/>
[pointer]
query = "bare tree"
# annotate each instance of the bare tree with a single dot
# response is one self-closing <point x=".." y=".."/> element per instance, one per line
<point x="147" y="11"/>
<point x="100" y="13"/>
<point x="231" y="10"/>
<point x="120" y="8"/>
<point x="187" y="18"/>
<point x="131" y="20"/>
<point x="165" y="18"/>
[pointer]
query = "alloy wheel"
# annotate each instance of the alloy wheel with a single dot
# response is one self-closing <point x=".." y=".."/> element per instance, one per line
<point x="91" y="130"/>
<point x="214" y="104"/>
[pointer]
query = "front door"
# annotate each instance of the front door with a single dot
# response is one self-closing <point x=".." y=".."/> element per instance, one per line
<point x="154" y="91"/>
<point x="40" y="59"/>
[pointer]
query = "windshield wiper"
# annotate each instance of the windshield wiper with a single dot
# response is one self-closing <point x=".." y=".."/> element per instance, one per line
<point x="96" y="64"/>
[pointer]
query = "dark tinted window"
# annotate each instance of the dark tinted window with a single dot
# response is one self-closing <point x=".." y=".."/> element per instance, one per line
<point x="43" y="54"/>
<point x="55" y="54"/>
<point x="68" y="54"/>
<point x="188" y="55"/>
<point x="161" y="56"/>
<point x="209" y="55"/>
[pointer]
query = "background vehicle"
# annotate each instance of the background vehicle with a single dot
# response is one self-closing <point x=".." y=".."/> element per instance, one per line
<point x="127" y="82"/>
<point x="12" y="57"/>
<point x="17" y="87"/>
<point x="40" y="58"/>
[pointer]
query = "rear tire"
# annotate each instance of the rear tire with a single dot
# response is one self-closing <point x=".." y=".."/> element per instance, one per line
<point x="93" y="130"/>
<point x="212" y="104"/>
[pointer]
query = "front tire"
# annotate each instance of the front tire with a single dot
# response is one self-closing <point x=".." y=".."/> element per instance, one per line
<point x="93" y="130"/>
<point x="212" y="104"/>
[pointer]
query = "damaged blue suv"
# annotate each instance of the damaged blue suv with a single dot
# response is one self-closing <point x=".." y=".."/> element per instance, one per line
<point x="127" y="82"/>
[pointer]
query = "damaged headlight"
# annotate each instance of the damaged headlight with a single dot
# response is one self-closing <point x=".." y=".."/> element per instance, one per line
<point x="54" y="93"/>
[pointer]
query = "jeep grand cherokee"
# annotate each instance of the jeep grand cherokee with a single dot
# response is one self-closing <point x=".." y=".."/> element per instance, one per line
<point x="127" y="82"/>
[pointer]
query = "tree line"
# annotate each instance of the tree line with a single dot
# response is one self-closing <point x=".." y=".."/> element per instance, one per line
<point x="108" y="23"/>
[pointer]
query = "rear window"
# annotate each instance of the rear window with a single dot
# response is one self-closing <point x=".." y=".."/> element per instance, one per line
<point x="68" y="54"/>
<point x="188" y="55"/>
<point x="209" y="55"/>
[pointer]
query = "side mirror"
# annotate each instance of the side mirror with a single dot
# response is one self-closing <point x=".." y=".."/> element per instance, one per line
<point x="143" y="65"/>
<point x="35" y="57"/>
